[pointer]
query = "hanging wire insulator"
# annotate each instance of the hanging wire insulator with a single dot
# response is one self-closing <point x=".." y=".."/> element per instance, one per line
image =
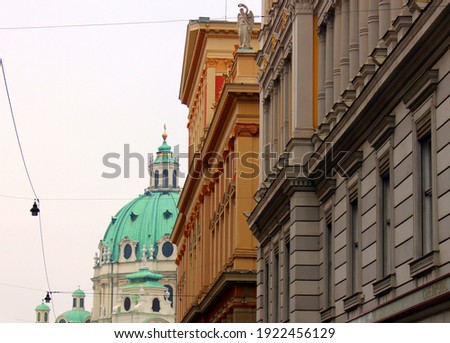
<point x="35" y="209"/>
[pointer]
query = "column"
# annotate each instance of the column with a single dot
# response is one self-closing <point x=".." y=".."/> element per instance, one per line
<point x="344" y="45"/>
<point x="275" y="114"/>
<point x="354" y="42"/>
<point x="329" y="63"/>
<point x="372" y="23"/>
<point x="363" y="31"/>
<point x="286" y="104"/>
<point x="396" y="6"/>
<point x="265" y="141"/>
<point x="337" y="55"/>
<point x="321" y="31"/>
<point x="302" y="70"/>
<point x="385" y="17"/>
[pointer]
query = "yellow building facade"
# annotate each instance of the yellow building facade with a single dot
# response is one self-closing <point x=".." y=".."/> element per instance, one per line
<point x="217" y="252"/>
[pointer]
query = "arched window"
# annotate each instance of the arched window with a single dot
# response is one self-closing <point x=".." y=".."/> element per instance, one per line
<point x="174" y="179"/>
<point x="45" y="317"/>
<point x="39" y="316"/>
<point x="156" y="178"/>
<point x="74" y="302"/>
<point x="165" y="182"/>
<point x="155" y="305"/>
<point x="81" y="302"/>
<point x="170" y="298"/>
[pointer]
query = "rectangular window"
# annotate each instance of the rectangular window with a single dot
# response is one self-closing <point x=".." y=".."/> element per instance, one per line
<point x="287" y="279"/>
<point x="267" y="292"/>
<point x="275" y="290"/>
<point x="329" y="280"/>
<point x="354" y="246"/>
<point x="426" y="194"/>
<point x="385" y="224"/>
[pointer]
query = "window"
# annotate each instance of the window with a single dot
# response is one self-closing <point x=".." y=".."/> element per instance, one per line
<point x="287" y="279"/>
<point x="165" y="181"/>
<point x="127" y="251"/>
<point x="386" y="236"/>
<point x="266" y="293"/>
<point x="354" y="247"/>
<point x="156" y="178"/>
<point x="155" y="305"/>
<point x="45" y="317"/>
<point x="127" y="304"/>
<point x="81" y="302"/>
<point x="167" y="249"/>
<point x="170" y="297"/>
<point x="275" y="290"/>
<point x="426" y="202"/>
<point x="329" y="267"/>
<point x="74" y="301"/>
<point x="39" y="316"/>
<point x="174" y="179"/>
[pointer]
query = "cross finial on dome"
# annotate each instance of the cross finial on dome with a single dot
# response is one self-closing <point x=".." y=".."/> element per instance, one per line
<point x="164" y="135"/>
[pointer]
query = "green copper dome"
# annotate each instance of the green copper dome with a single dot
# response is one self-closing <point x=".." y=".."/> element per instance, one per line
<point x="75" y="316"/>
<point x="78" y="293"/>
<point x="145" y="220"/>
<point x="164" y="155"/>
<point x="42" y="307"/>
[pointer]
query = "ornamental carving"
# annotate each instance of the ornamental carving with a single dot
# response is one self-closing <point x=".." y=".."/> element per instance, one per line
<point x="246" y="130"/>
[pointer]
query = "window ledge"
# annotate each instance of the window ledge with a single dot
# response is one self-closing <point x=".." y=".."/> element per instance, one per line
<point x="384" y="285"/>
<point x="327" y="314"/>
<point x="424" y="264"/>
<point x="353" y="301"/>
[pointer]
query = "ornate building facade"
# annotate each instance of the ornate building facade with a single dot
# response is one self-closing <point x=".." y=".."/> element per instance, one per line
<point x="352" y="214"/>
<point x="217" y="251"/>
<point x="135" y="272"/>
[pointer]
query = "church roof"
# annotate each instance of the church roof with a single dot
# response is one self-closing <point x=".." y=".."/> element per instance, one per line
<point x="75" y="316"/>
<point x="144" y="278"/>
<point x="145" y="220"/>
<point x="42" y="307"/>
<point x="164" y="153"/>
<point x="78" y="293"/>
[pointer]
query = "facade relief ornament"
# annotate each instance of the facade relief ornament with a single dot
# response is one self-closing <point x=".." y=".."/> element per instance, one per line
<point x="246" y="130"/>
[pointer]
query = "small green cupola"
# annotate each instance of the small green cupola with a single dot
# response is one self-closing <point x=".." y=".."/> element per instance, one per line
<point x="42" y="312"/>
<point x="164" y="169"/>
<point x="78" y="297"/>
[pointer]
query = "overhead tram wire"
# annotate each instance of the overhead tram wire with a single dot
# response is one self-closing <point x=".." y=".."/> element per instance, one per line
<point x="28" y="175"/>
<point x="165" y="21"/>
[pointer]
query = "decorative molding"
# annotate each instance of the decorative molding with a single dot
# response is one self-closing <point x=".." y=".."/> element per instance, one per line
<point x="421" y="89"/>
<point x="353" y="301"/>
<point x="246" y="130"/>
<point x="384" y="285"/>
<point x="424" y="264"/>
<point x="327" y="314"/>
<point x="382" y="132"/>
<point x="352" y="162"/>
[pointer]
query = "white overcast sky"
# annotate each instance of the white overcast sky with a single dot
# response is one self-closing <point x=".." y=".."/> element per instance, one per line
<point x="79" y="93"/>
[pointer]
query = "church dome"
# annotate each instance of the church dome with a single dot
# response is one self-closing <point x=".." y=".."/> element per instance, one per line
<point x="144" y="220"/>
<point x="42" y="307"/>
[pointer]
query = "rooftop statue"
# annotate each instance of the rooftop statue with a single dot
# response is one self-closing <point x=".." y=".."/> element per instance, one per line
<point x="245" y="24"/>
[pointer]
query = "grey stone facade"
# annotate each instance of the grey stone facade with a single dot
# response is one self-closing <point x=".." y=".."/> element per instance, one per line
<point x="352" y="213"/>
